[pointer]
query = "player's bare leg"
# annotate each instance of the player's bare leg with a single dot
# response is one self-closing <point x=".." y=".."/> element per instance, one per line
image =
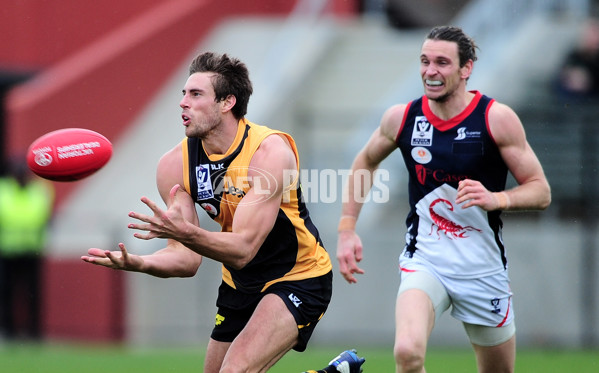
<point x="215" y="354"/>
<point x="414" y="321"/>
<point x="268" y="335"/>
<point x="496" y="359"/>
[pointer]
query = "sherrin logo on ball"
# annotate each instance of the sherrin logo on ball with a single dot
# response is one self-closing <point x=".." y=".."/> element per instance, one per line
<point x="42" y="158"/>
<point x="68" y="154"/>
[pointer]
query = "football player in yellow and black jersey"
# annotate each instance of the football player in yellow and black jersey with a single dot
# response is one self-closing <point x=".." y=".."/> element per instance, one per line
<point x="276" y="273"/>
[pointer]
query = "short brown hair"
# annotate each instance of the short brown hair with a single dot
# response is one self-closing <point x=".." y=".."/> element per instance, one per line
<point x="231" y="78"/>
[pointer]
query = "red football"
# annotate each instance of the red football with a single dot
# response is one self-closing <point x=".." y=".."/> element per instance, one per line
<point x="68" y="154"/>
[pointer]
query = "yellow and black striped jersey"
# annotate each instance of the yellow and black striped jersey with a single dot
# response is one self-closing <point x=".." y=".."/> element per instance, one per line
<point x="293" y="250"/>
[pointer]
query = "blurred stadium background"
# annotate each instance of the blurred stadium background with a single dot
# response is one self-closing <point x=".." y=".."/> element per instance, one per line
<point x="323" y="71"/>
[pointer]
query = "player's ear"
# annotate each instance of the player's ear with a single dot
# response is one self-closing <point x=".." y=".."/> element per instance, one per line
<point x="466" y="70"/>
<point x="228" y="103"/>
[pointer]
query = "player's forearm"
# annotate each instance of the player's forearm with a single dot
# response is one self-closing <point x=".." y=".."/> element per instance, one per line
<point x="234" y="249"/>
<point x="532" y="195"/>
<point x="171" y="262"/>
<point x="357" y="187"/>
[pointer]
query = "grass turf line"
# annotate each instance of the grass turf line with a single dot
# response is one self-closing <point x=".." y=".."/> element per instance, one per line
<point x="67" y="358"/>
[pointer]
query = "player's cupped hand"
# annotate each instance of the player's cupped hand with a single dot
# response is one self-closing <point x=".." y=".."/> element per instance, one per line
<point x="114" y="259"/>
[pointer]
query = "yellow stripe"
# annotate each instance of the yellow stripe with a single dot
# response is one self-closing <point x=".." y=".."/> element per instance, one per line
<point x="186" y="166"/>
<point x="308" y="324"/>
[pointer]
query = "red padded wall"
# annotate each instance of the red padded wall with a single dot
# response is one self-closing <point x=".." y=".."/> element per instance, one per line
<point x="98" y="63"/>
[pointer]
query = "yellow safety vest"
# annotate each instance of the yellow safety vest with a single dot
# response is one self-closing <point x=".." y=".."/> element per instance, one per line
<point x="24" y="215"/>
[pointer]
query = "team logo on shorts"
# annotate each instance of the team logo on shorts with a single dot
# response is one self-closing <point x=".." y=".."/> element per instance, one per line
<point x="219" y="319"/>
<point x="296" y="301"/>
<point x="495" y="304"/>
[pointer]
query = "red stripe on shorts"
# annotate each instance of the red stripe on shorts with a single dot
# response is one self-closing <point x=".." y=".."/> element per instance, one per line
<point x="506" y="314"/>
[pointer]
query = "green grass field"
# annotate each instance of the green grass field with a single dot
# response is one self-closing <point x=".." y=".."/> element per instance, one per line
<point x="53" y="358"/>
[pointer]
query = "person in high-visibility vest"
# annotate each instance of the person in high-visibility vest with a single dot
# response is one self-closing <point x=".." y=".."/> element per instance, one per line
<point x="26" y="205"/>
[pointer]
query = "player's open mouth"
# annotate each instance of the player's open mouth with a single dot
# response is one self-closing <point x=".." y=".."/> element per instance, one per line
<point x="434" y="83"/>
<point x="185" y="119"/>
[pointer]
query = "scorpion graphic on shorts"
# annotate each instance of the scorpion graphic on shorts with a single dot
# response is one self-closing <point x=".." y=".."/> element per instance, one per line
<point x="451" y="229"/>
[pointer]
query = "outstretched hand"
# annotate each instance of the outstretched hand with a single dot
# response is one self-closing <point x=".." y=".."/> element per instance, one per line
<point x="349" y="254"/>
<point x="114" y="259"/>
<point x="164" y="224"/>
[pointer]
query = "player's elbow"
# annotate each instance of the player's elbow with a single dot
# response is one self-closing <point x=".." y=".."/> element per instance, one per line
<point x="188" y="268"/>
<point x="538" y="196"/>
<point x="545" y="199"/>
<point x="242" y="257"/>
<point x="239" y="262"/>
<point x="189" y="271"/>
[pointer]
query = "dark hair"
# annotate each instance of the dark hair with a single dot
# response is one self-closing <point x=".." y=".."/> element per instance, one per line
<point x="466" y="46"/>
<point x="231" y="78"/>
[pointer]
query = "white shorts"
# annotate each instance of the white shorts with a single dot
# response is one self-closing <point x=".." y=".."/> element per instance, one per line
<point x="484" y="304"/>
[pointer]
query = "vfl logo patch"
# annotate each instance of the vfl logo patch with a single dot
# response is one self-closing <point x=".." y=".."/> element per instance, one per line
<point x="204" y="183"/>
<point x="422" y="134"/>
<point x="495" y="304"/>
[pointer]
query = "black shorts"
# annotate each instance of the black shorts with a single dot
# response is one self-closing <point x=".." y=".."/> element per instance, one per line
<point x="307" y="300"/>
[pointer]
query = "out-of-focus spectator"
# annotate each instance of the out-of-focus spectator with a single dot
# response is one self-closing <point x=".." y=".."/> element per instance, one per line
<point x="26" y="204"/>
<point x="579" y="74"/>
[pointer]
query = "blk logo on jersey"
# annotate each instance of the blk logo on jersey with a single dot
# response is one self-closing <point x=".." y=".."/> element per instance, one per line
<point x="204" y="182"/>
<point x="422" y="134"/>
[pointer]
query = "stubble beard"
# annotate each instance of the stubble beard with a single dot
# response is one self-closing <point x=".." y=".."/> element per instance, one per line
<point x="443" y="97"/>
<point x="205" y="127"/>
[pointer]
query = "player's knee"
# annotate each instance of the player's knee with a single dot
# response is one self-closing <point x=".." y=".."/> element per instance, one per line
<point x="409" y="356"/>
<point x="231" y="366"/>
